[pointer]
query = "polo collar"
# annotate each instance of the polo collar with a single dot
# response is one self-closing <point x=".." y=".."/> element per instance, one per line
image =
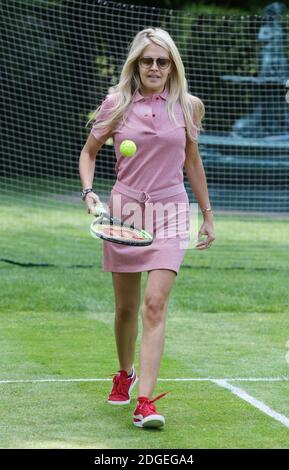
<point x="139" y="97"/>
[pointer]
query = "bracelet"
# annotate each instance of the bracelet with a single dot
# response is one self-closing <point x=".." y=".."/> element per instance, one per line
<point x="207" y="209"/>
<point x="85" y="192"/>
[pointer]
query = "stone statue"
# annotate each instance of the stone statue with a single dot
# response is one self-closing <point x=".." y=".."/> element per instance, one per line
<point x="269" y="111"/>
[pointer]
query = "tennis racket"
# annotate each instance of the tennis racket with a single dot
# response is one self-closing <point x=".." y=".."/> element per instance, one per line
<point x="115" y="230"/>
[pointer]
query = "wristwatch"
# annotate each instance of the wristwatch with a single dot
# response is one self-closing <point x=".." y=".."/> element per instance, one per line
<point x="85" y="191"/>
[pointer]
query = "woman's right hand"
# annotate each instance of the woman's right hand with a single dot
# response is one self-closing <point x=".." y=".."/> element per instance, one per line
<point x="91" y="201"/>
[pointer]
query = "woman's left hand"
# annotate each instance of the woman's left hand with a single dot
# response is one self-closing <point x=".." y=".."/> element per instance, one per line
<point x="207" y="229"/>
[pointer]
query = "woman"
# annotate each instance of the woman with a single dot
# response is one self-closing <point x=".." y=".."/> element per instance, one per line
<point x="151" y="106"/>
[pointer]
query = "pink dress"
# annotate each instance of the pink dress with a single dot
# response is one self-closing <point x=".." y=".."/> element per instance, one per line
<point x="154" y="175"/>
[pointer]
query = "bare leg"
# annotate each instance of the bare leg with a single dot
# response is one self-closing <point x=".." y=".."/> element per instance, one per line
<point x="127" y="290"/>
<point x="154" y="310"/>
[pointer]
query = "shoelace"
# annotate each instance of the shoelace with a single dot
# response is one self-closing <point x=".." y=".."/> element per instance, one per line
<point x="119" y="383"/>
<point x="150" y="402"/>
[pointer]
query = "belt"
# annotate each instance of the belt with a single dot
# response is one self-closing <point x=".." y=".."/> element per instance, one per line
<point x="145" y="197"/>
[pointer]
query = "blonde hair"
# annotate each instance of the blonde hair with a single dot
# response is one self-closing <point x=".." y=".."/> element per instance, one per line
<point x="130" y="81"/>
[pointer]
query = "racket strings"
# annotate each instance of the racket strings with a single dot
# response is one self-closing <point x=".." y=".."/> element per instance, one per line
<point x="108" y="231"/>
<point x="115" y="222"/>
<point x="120" y="231"/>
<point x="115" y="230"/>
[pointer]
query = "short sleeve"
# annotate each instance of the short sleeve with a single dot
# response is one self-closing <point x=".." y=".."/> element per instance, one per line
<point x="103" y="133"/>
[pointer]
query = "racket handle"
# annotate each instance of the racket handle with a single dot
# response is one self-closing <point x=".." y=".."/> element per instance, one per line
<point x="99" y="209"/>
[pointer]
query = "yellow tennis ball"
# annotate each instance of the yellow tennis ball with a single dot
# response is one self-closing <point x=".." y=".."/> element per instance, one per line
<point x="127" y="148"/>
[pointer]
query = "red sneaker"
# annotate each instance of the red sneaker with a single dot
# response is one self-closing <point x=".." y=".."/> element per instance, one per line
<point x="122" y="388"/>
<point x="146" y="415"/>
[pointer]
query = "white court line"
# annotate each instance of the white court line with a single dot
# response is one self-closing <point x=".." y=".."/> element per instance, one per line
<point x="256" y="403"/>
<point x="189" y="379"/>
<point x="220" y="382"/>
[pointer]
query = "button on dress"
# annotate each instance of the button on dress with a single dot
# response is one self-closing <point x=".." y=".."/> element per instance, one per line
<point x="156" y="167"/>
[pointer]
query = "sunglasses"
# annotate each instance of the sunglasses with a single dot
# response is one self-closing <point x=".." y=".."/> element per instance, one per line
<point x="147" y="62"/>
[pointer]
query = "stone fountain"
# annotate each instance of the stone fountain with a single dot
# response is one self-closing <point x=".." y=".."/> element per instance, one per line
<point x="256" y="149"/>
